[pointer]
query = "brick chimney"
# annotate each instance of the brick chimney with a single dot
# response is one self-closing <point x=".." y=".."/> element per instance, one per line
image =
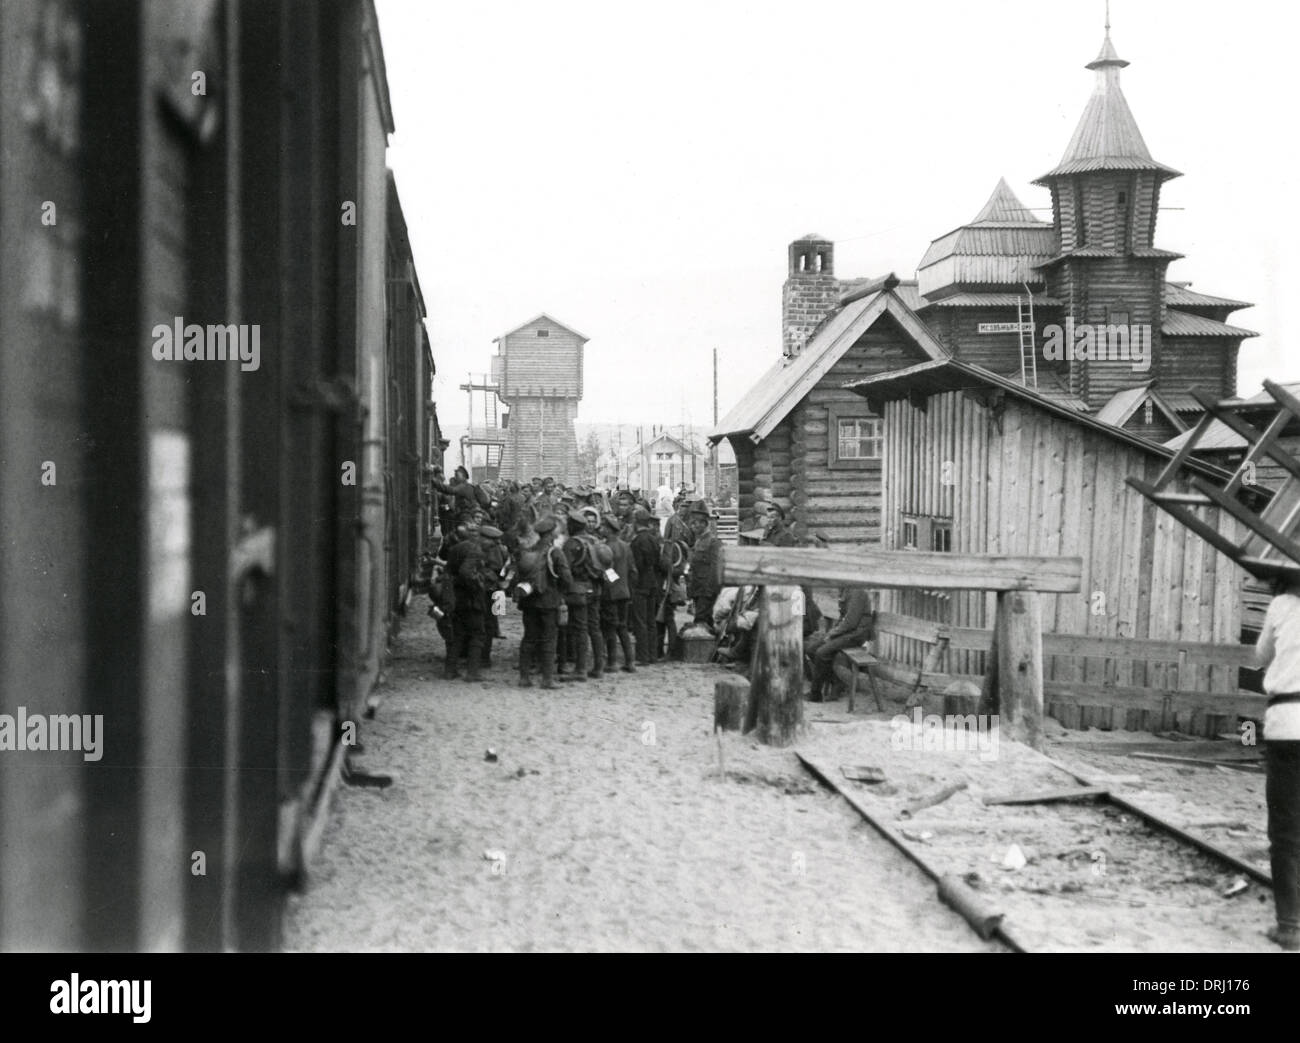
<point x="811" y="291"/>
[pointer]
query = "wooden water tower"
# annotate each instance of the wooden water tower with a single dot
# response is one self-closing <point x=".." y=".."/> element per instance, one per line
<point x="538" y="370"/>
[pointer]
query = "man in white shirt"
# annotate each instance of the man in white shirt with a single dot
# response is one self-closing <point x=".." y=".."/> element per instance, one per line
<point x="1278" y="651"/>
<point x="663" y="505"/>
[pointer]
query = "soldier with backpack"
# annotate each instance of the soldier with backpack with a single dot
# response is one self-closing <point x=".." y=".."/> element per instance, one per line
<point x="620" y="574"/>
<point x="577" y="633"/>
<point x="467" y="565"/>
<point x="542" y="580"/>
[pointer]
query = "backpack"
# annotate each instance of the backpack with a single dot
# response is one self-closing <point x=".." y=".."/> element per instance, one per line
<point x="588" y="564"/>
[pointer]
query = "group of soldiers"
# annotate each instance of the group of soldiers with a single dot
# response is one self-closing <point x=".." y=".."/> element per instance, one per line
<point x="597" y="577"/>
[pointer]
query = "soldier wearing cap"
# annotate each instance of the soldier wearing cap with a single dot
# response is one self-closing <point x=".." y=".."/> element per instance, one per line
<point x="647" y="586"/>
<point x="704" y="581"/>
<point x="616" y="600"/>
<point x="678" y="527"/>
<point x="777" y="533"/>
<point x="575" y="635"/>
<point x="543" y="579"/>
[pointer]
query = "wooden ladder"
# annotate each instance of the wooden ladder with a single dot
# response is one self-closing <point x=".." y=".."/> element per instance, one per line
<point x="1028" y="354"/>
<point x="1270" y="549"/>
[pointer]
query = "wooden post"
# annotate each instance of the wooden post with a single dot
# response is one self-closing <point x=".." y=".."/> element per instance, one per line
<point x="730" y="703"/>
<point x="1018" y="633"/>
<point x="776" y="689"/>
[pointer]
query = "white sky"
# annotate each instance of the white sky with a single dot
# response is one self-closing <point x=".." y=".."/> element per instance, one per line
<point x="638" y="170"/>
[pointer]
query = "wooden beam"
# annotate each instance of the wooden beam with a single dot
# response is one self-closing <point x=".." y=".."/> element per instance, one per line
<point x="1205" y="531"/>
<point x="1249" y="519"/>
<point x="1052" y="796"/>
<point x="1019" y="630"/>
<point x="900" y="569"/>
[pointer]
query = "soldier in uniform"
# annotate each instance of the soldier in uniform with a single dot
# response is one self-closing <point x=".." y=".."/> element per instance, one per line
<point x="466" y="564"/>
<point x="647" y="590"/>
<point x="617" y="594"/>
<point x="576" y="636"/>
<point x="704" y="581"/>
<point x="494" y="563"/>
<point x="778" y="533"/>
<point x="543" y="580"/>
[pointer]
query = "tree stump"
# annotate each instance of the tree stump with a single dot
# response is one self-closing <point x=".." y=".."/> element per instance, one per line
<point x="776" y="686"/>
<point x="730" y="703"/>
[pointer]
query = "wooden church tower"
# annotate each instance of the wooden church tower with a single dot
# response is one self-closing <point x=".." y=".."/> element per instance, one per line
<point x="538" y="371"/>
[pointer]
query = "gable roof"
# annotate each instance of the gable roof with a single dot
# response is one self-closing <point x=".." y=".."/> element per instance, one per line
<point x="1123" y="404"/>
<point x="786" y="383"/>
<point x="935" y="377"/>
<point x="549" y="319"/>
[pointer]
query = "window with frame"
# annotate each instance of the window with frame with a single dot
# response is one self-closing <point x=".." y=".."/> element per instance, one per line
<point x="922" y="532"/>
<point x="856" y="439"/>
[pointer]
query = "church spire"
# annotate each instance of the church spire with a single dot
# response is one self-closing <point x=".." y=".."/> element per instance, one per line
<point x="1107" y="136"/>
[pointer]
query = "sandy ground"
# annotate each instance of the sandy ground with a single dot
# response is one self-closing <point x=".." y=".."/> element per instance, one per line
<point x="614" y="819"/>
<point x="603" y="825"/>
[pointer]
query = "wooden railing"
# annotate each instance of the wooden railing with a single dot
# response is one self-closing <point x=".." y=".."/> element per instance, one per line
<point x="1189" y="708"/>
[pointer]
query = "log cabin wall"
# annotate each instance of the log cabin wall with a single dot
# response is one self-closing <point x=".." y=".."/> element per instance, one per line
<point x="1206" y="364"/>
<point x="822" y="494"/>
<point x="1094" y="291"/>
<point x="1027" y="482"/>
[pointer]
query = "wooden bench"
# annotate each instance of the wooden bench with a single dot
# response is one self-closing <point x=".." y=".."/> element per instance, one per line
<point x="861" y="660"/>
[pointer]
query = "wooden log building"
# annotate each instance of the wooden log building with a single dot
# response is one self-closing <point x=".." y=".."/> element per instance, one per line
<point x="1000" y="293"/>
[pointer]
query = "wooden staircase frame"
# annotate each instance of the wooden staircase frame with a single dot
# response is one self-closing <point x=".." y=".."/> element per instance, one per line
<point x="1270" y="550"/>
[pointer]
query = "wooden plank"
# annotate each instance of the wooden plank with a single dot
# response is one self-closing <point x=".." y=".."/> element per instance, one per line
<point x="1250" y="519"/>
<point x="905" y="569"/>
<point x="1051" y="796"/>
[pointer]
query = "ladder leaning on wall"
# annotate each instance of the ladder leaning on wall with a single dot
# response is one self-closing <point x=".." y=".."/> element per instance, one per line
<point x="1026" y="328"/>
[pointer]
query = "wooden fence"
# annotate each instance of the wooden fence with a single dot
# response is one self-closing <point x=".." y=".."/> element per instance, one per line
<point x="1168" y="687"/>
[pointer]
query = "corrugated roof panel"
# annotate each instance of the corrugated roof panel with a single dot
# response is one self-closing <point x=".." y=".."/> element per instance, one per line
<point x="1217" y="436"/>
<point x="977" y="270"/>
<point x="1177" y="295"/>
<point x="1184" y="324"/>
<point x="989" y="300"/>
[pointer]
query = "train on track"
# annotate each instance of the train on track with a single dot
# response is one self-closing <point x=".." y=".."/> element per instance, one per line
<point x="216" y="416"/>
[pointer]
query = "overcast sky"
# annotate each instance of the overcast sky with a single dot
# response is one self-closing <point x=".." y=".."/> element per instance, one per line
<point x="637" y="170"/>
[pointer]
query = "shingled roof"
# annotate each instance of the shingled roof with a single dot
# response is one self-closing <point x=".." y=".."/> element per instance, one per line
<point x="1107" y="136"/>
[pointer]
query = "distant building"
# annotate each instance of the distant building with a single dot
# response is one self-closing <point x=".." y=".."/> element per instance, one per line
<point x="537" y="373"/>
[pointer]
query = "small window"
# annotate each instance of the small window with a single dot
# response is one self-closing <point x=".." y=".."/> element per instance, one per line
<point x="941" y="536"/>
<point x="543" y="333"/>
<point x="909" y="534"/>
<point x="858" y="439"/>
<point x="1123" y="199"/>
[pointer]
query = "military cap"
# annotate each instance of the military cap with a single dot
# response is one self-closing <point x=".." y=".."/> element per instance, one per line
<point x="578" y="518"/>
<point x="611" y="523"/>
<point x="544" y="524"/>
<point x="490" y="531"/>
<point x="641" y="516"/>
